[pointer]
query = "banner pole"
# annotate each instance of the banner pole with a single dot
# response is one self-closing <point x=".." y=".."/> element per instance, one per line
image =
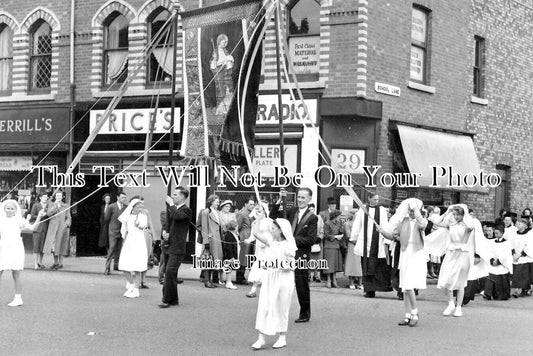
<point x="280" y="102"/>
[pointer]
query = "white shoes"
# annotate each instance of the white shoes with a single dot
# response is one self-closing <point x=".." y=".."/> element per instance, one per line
<point x="129" y="285"/>
<point x="258" y="345"/>
<point x="230" y="286"/>
<point x="132" y="293"/>
<point x="458" y="311"/>
<point x="16" y="302"/>
<point x="449" y="310"/>
<point x="282" y="342"/>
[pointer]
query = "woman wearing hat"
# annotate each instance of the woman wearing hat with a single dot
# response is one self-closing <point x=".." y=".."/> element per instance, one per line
<point x="332" y="254"/>
<point x="278" y="280"/>
<point x="225" y="214"/>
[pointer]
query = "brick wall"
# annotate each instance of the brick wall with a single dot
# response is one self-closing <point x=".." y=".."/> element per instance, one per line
<point x="503" y="127"/>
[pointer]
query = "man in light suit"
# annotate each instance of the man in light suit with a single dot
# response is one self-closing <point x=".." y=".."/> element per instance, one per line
<point x="180" y="217"/>
<point x="115" y="238"/>
<point x="304" y="226"/>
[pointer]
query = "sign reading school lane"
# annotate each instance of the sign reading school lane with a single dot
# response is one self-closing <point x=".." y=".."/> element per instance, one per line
<point x="35" y="125"/>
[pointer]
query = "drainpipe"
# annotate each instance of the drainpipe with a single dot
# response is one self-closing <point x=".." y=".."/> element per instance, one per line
<point x="72" y="92"/>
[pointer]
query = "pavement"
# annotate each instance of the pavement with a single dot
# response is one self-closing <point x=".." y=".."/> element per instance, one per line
<point x="66" y="313"/>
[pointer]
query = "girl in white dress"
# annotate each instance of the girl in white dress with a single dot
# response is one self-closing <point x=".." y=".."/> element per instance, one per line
<point x="277" y="285"/>
<point x="11" y="246"/>
<point x="459" y="247"/>
<point x="256" y="273"/>
<point x="134" y="253"/>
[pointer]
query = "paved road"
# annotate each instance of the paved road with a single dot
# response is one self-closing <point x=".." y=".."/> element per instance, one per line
<point x="85" y="314"/>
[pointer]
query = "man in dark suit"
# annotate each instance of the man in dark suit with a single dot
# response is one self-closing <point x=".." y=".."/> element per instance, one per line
<point x="179" y="218"/>
<point x="115" y="238"/>
<point x="304" y="226"/>
<point x="244" y="224"/>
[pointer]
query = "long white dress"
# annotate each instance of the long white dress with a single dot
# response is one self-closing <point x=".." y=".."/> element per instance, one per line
<point x="412" y="264"/>
<point x="11" y="245"/>
<point x="256" y="273"/>
<point x="276" y="290"/>
<point x="134" y="254"/>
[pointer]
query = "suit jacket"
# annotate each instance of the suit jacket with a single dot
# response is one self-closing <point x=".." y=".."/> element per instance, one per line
<point x="244" y="223"/>
<point x="179" y="221"/>
<point x="111" y="217"/>
<point x="305" y="233"/>
<point x="35" y="209"/>
<point x="103" y="240"/>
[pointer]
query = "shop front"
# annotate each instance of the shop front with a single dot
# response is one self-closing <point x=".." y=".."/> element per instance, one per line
<point x="351" y="130"/>
<point x="445" y="163"/>
<point x="30" y="137"/>
<point x="119" y="148"/>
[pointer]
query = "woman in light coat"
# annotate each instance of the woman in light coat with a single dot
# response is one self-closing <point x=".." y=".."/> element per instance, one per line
<point x="57" y="236"/>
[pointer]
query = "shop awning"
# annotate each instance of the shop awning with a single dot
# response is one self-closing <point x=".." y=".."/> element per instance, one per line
<point x="424" y="149"/>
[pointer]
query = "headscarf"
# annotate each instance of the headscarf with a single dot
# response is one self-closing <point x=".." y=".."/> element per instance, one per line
<point x="286" y="229"/>
<point x="402" y="212"/>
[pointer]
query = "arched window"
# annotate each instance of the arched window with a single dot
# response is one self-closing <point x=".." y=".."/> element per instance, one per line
<point x="6" y="58"/>
<point x="159" y="64"/>
<point x="115" y="49"/>
<point x="304" y="17"/>
<point x="40" y="56"/>
<point x="304" y="38"/>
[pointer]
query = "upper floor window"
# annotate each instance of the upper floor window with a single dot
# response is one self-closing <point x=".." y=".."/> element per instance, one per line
<point x="304" y="38"/>
<point x="159" y="64"/>
<point x="6" y="58"/>
<point x="479" y="67"/>
<point x="419" y="45"/>
<point x="40" y="57"/>
<point x="115" y="49"/>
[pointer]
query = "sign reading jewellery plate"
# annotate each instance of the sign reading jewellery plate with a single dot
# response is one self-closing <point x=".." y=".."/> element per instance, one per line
<point x="43" y="125"/>
<point x="135" y="121"/>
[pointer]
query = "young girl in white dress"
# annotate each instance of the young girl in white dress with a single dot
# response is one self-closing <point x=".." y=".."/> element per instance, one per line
<point x="11" y="246"/>
<point x="277" y="285"/>
<point x="457" y="226"/>
<point x="255" y="275"/>
<point x="134" y="253"/>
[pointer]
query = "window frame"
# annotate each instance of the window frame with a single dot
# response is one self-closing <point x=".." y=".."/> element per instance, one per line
<point x="149" y="22"/>
<point x="424" y="46"/>
<point x="112" y="17"/>
<point x="31" y="88"/>
<point x="478" y="89"/>
<point x="9" y="90"/>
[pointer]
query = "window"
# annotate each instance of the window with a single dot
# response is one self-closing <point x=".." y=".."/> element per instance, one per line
<point x="419" y="45"/>
<point x="160" y="61"/>
<point x="41" y="57"/>
<point x="115" y="49"/>
<point x="6" y="59"/>
<point x="479" y="67"/>
<point x="304" y="38"/>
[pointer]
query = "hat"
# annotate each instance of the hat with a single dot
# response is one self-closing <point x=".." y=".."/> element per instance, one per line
<point x="331" y="200"/>
<point x="225" y="202"/>
<point x="511" y="215"/>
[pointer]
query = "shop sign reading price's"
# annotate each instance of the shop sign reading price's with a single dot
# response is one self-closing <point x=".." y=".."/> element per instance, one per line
<point x="349" y="161"/>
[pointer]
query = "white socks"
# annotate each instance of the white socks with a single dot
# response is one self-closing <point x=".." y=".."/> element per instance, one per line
<point x="259" y="343"/>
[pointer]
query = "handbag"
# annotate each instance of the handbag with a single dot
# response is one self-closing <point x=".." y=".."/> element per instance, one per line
<point x="206" y="255"/>
<point x="315" y="248"/>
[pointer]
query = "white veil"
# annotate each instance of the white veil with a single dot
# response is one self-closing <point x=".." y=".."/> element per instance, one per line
<point x="123" y="218"/>
<point x="18" y="211"/>
<point x="402" y="212"/>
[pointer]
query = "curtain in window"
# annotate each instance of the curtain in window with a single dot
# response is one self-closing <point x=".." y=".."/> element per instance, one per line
<point x="164" y="58"/>
<point x="116" y="63"/>
<point x="6" y="54"/>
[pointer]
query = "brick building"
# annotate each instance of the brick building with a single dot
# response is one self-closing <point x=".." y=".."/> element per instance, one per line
<point x="374" y="74"/>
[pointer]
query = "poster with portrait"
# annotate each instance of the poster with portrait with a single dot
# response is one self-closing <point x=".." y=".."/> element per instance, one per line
<point x="216" y="43"/>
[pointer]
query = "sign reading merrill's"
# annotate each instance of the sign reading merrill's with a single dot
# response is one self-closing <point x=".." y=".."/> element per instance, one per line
<point x="34" y="125"/>
<point x="135" y="121"/>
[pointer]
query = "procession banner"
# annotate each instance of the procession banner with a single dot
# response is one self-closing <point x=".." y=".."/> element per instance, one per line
<point x="216" y="40"/>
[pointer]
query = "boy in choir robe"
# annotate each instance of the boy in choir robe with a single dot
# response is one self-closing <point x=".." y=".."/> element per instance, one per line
<point x="522" y="250"/>
<point x="498" y="284"/>
<point x="479" y="265"/>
